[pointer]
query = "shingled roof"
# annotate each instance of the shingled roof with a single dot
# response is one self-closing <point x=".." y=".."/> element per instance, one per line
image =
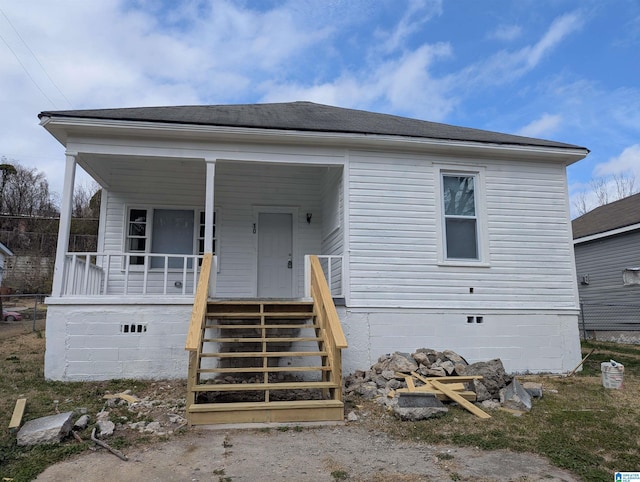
<point x="618" y="214"/>
<point x="304" y="116"/>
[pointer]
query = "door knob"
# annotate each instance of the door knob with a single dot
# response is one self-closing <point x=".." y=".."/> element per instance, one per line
<point x="290" y="264"/>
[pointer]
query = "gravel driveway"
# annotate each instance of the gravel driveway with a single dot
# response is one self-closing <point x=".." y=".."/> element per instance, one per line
<point x="326" y="453"/>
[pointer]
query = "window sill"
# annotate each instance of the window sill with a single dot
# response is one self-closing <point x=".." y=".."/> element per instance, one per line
<point x="464" y="264"/>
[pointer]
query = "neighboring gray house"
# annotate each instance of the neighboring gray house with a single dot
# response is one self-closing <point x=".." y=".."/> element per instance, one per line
<point x="432" y="235"/>
<point x="607" y="250"/>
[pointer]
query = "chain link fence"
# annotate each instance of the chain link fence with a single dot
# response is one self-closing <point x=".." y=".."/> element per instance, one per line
<point x="22" y="312"/>
<point x="595" y="317"/>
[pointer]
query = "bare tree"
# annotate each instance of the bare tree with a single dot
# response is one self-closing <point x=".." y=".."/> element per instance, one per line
<point x="26" y="192"/>
<point x="624" y="184"/>
<point x="603" y="190"/>
<point x="84" y="201"/>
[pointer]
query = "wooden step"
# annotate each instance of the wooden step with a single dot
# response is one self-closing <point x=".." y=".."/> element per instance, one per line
<point x="246" y="387"/>
<point x="266" y="412"/>
<point x="259" y="340"/>
<point x="269" y="354"/>
<point x="265" y="369"/>
<point x="266" y="327"/>
<point x="252" y="315"/>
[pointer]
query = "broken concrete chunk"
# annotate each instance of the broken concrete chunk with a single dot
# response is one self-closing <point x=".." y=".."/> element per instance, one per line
<point x="81" y="423"/>
<point x="515" y="397"/>
<point x="432" y="354"/>
<point x="493" y="375"/>
<point x="352" y="417"/>
<point x="448" y="367"/>
<point x="421" y="358"/>
<point x="400" y="363"/>
<point x="432" y="372"/>
<point x="45" y="430"/>
<point x="105" y="428"/>
<point x="533" y="388"/>
<point x="453" y="357"/>
<point x="482" y="393"/>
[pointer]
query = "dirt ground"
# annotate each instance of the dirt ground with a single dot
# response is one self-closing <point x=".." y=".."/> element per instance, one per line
<point x="352" y="452"/>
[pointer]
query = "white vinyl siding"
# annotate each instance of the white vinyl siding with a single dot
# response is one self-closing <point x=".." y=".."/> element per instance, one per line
<point x="241" y="189"/>
<point x="394" y="236"/>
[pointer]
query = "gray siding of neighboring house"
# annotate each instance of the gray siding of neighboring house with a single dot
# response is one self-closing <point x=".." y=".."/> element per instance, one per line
<point x="603" y="261"/>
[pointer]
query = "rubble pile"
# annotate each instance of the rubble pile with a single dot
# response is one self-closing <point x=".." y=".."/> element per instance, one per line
<point x="486" y="382"/>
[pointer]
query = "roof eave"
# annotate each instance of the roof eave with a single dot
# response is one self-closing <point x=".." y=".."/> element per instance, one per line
<point x="606" y="234"/>
<point x="60" y="126"/>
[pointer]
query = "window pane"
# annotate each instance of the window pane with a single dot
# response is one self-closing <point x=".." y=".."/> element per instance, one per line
<point x="462" y="239"/>
<point x="458" y="194"/>
<point x="137" y="229"/>
<point x="137" y="244"/>
<point x="172" y="234"/>
<point x="138" y="215"/>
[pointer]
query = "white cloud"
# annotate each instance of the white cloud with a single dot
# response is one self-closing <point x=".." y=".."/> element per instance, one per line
<point x="506" y="33"/>
<point x="403" y="85"/>
<point x="416" y="15"/>
<point x="506" y="66"/>
<point x="543" y="126"/>
<point x="627" y="162"/>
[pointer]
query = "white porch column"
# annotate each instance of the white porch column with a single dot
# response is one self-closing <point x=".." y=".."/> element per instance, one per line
<point x="209" y="206"/>
<point x="209" y="209"/>
<point x="64" y="228"/>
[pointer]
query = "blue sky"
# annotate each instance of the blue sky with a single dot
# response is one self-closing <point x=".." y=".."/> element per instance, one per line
<point x="565" y="70"/>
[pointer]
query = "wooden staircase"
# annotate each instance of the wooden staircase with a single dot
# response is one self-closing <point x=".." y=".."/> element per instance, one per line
<point x="265" y="360"/>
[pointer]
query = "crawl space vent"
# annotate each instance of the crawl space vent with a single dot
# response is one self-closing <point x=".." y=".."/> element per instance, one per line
<point x="133" y="328"/>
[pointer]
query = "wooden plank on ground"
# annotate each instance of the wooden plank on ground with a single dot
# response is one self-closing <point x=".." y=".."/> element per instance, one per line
<point x="453" y="395"/>
<point x="18" y="412"/>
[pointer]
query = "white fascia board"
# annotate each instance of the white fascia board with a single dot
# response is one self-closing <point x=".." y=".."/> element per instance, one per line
<point x="60" y="127"/>
<point x="606" y="234"/>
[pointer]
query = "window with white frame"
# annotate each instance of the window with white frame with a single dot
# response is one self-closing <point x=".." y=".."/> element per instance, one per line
<point x="460" y="216"/>
<point x="166" y="231"/>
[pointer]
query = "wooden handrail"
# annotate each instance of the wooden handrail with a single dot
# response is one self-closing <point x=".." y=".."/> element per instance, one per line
<point x="199" y="305"/>
<point x="321" y="288"/>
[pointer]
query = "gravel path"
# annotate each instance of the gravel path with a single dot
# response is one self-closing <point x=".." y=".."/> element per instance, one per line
<point x="315" y="454"/>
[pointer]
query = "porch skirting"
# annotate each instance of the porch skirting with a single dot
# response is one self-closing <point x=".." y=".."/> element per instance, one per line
<point x="146" y="340"/>
<point x="527" y="341"/>
<point x="108" y="341"/>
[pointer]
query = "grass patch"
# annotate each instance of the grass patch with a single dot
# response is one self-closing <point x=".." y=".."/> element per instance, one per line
<point x="585" y="428"/>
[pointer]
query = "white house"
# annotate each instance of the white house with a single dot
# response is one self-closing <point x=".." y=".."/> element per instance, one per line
<point x="431" y="235"/>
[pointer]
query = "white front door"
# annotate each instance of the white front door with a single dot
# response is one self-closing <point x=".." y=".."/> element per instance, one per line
<point x="275" y="250"/>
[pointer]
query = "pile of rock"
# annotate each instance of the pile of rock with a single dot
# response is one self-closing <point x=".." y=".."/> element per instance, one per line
<point x="162" y="416"/>
<point x="386" y="376"/>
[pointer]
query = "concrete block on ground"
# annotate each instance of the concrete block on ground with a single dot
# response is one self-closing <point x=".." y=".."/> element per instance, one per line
<point x="45" y="430"/>
<point x="533" y="388"/>
<point x="418" y="400"/>
<point x="515" y="397"/>
<point x="418" y="406"/>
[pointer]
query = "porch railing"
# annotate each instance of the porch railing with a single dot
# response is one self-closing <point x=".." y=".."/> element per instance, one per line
<point x="327" y="319"/>
<point x="333" y="270"/>
<point x="123" y="274"/>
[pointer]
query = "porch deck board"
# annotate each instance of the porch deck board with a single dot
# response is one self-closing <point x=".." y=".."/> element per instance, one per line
<point x="266" y="369"/>
<point x="259" y="340"/>
<point x="268" y="354"/>
<point x="242" y="327"/>
<point x="285" y="315"/>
